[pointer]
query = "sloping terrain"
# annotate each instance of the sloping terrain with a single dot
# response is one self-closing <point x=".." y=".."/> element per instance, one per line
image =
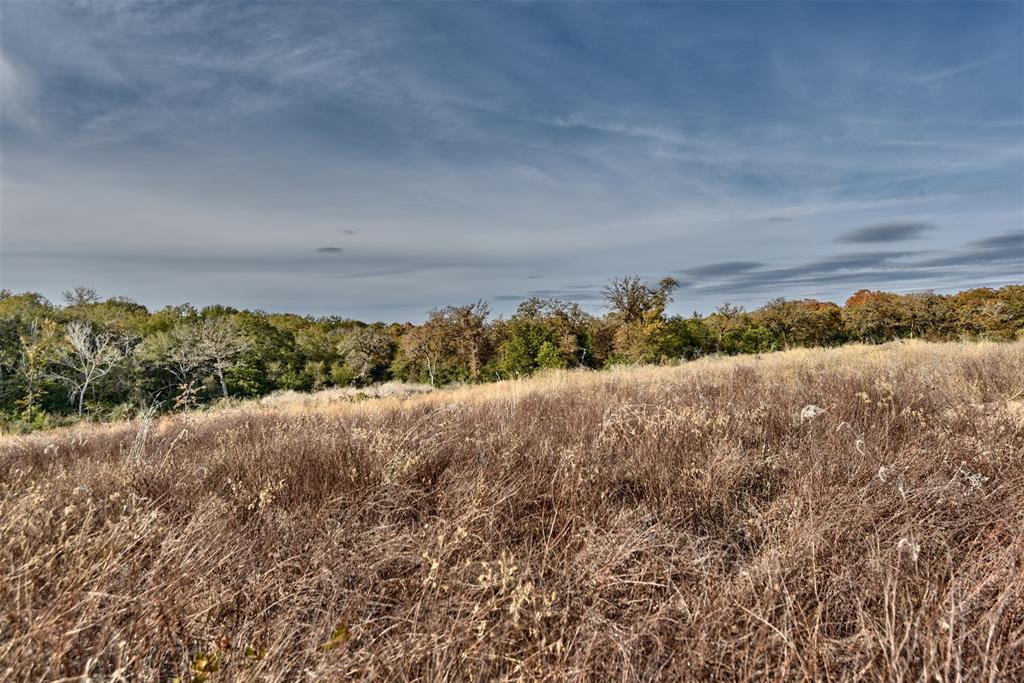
<point x="828" y="514"/>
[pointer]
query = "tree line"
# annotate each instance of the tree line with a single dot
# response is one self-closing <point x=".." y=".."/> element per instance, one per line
<point x="110" y="358"/>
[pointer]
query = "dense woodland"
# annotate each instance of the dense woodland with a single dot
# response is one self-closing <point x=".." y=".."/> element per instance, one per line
<point x="111" y="358"/>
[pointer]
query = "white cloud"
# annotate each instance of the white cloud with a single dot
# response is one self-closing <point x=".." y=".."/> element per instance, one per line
<point x="16" y="96"/>
<point x="445" y="130"/>
<point x="951" y="71"/>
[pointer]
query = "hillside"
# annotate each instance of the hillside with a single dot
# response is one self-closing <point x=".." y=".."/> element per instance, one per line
<point x="811" y="514"/>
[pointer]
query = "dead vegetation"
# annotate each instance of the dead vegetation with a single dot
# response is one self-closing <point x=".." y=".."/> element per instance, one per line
<point x="698" y="522"/>
<point x="343" y="394"/>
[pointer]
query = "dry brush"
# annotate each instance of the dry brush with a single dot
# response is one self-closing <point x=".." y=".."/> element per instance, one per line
<point x="809" y="515"/>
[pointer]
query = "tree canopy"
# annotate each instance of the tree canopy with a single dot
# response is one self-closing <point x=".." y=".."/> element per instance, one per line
<point x="111" y="357"/>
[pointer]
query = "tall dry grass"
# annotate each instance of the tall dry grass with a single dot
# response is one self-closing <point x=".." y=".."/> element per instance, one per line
<point x="680" y="523"/>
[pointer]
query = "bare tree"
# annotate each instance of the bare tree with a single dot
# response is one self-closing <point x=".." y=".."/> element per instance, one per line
<point x="80" y="295"/>
<point x="633" y="300"/>
<point x="87" y="355"/>
<point x="190" y="350"/>
<point x="180" y="350"/>
<point x="221" y="343"/>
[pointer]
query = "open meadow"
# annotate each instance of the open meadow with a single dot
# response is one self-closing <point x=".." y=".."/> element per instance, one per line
<point x="846" y="514"/>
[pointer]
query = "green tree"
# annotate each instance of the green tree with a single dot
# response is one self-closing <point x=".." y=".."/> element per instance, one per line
<point x="269" y="361"/>
<point x="638" y="310"/>
<point x="25" y="307"/>
<point x="687" y="337"/>
<point x="39" y="343"/>
<point x="562" y="326"/>
<point x="451" y="344"/>
<point x="726" y="318"/>
<point x="549" y="356"/>
<point x="367" y="353"/>
<point x="802" y="323"/>
<point x="930" y="315"/>
<point x="518" y="352"/>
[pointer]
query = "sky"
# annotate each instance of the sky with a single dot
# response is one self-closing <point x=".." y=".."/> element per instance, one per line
<point x="377" y="160"/>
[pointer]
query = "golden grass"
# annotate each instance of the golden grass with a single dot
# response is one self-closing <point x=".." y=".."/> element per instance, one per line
<point x="690" y="522"/>
<point x="345" y="394"/>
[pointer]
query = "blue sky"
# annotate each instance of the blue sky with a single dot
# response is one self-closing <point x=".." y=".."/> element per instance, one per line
<point x="376" y="160"/>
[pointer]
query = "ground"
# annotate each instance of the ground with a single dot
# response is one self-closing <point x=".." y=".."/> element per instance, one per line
<point x="853" y="513"/>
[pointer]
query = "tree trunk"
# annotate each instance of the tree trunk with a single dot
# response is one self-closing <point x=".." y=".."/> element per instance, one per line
<point x="223" y="384"/>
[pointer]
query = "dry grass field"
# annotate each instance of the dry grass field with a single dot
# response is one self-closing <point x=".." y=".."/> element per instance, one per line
<point x="850" y="514"/>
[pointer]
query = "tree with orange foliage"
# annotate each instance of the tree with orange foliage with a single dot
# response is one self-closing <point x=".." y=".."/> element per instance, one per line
<point x="875" y="316"/>
<point x="803" y="323"/>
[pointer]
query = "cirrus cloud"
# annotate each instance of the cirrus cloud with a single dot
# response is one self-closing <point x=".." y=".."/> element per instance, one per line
<point x="886" y="232"/>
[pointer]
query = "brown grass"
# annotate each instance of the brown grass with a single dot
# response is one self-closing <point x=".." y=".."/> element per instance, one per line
<point x="650" y="523"/>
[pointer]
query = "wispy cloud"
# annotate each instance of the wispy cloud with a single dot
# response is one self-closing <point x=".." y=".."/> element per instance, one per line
<point x="1004" y="248"/>
<point x="16" y="96"/>
<point x="721" y="268"/>
<point x="579" y="120"/>
<point x="482" y="145"/>
<point x="994" y="258"/>
<point x="1007" y="240"/>
<point x="582" y="296"/>
<point x="954" y="70"/>
<point x="886" y="232"/>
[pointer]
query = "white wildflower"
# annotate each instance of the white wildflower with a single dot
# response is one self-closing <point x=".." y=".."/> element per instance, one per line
<point x="909" y="548"/>
<point x="810" y="411"/>
<point x="972" y="481"/>
<point x="975" y="480"/>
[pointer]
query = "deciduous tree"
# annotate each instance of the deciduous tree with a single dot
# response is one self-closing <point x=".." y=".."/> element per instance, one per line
<point x="85" y="357"/>
<point x="39" y="343"/>
<point x="80" y="296"/>
<point x="221" y="343"/>
<point x="367" y="352"/>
